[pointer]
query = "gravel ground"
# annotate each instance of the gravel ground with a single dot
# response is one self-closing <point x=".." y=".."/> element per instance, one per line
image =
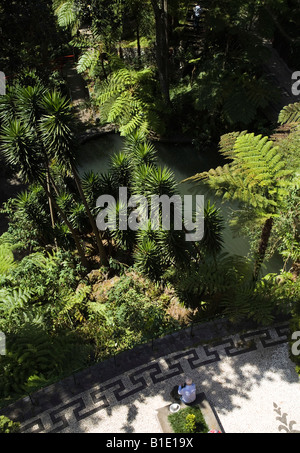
<point x="253" y="392"/>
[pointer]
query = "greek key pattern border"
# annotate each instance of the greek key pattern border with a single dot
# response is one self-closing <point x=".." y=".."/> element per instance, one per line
<point x="125" y="386"/>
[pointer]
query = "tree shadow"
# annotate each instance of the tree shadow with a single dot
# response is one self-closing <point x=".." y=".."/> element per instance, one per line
<point x="239" y="382"/>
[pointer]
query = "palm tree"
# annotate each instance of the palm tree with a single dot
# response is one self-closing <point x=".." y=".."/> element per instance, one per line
<point x="147" y="258"/>
<point x="30" y="207"/>
<point x="59" y="140"/>
<point x="212" y="241"/>
<point x="22" y="152"/>
<point x="29" y="110"/>
<point x="139" y="149"/>
<point x="8" y="105"/>
<point x="92" y="185"/>
<point x="151" y="180"/>
<point x="256" y="176"/>
<point x="120" y="169"/>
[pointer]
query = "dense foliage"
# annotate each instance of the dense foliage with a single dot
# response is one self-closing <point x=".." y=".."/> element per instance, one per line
<point x="70" y="294"/>
<point x="30" y="39"/>
<point x="8" y="426"/>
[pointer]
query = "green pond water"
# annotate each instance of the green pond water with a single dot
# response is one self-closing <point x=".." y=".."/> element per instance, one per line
<point x="184" y="161"/>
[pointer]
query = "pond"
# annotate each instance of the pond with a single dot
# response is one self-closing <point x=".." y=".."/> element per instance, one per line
<point x="184" y="161"/>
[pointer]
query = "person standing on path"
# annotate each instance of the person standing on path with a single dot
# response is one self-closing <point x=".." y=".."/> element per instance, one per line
<point x="196" y="12"/>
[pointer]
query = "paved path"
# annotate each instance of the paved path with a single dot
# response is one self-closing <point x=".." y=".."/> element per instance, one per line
<point x="248" y="378"/>
<point x="79" y="93"/>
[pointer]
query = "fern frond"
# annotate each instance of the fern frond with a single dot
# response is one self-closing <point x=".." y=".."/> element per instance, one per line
<point x="88" y="60"/>
<point x="256" y="174"/>
<point x="99" y="309"/>
<point x="12" y="299"/>
<point x="290" y="114"/>
<point x="6" y="258"/>
<point x="122" y="107"/>
<point x="227" y="141"/>
<point x="135" y="122"/>
<point x="66" y="13"/>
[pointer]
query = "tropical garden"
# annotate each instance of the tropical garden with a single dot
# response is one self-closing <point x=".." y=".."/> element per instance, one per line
<point x="72" y="295"/>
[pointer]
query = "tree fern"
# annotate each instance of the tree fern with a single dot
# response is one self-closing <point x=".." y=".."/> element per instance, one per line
<point x="12" y="299"/>
<point x="259" y="92"/>
<point x="65" y="12"/>
<point x="290" y="114"/>
<point x="34" y="356"/>
<point x="72" y="310"/>
<point x="6" y="258"/>
<point x="122" y="103"/>
<point x="227" y="142"/>
<point x="256" y="176"/>
<point x="257" y="302"/>
<point x="88" y="60"/>
<point x="211" y="278"/>
<point x="136" y="121"/>
<point x="98" y="310"/>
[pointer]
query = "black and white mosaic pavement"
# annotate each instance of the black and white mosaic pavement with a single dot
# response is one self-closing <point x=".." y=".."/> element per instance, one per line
<point x="248" y="378"/>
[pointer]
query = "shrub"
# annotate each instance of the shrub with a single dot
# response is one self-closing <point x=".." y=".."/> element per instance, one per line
<point x="190" y="423"/>
<point x="187" y="419"/>
<point x="8" y="426"/>
<point x="34" y="357"/>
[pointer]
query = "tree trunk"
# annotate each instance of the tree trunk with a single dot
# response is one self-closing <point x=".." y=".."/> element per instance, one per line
<point x="138" y="40"/>
<point x="101" y="250"/>
<point x="102" y="56"/>
<point x="72" y="231"/>
<point x="162" y="50"/>
<point x="120" y="51"/>
<point x="263" y="244"/>
<point x="48" y="178"/>
<point x="166" y="24"/>
<point x="280" y="27"/>
<point x="50" y="203"/>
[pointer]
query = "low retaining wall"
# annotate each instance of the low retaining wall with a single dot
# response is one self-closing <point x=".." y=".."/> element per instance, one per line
<point x="208" y="412"/>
